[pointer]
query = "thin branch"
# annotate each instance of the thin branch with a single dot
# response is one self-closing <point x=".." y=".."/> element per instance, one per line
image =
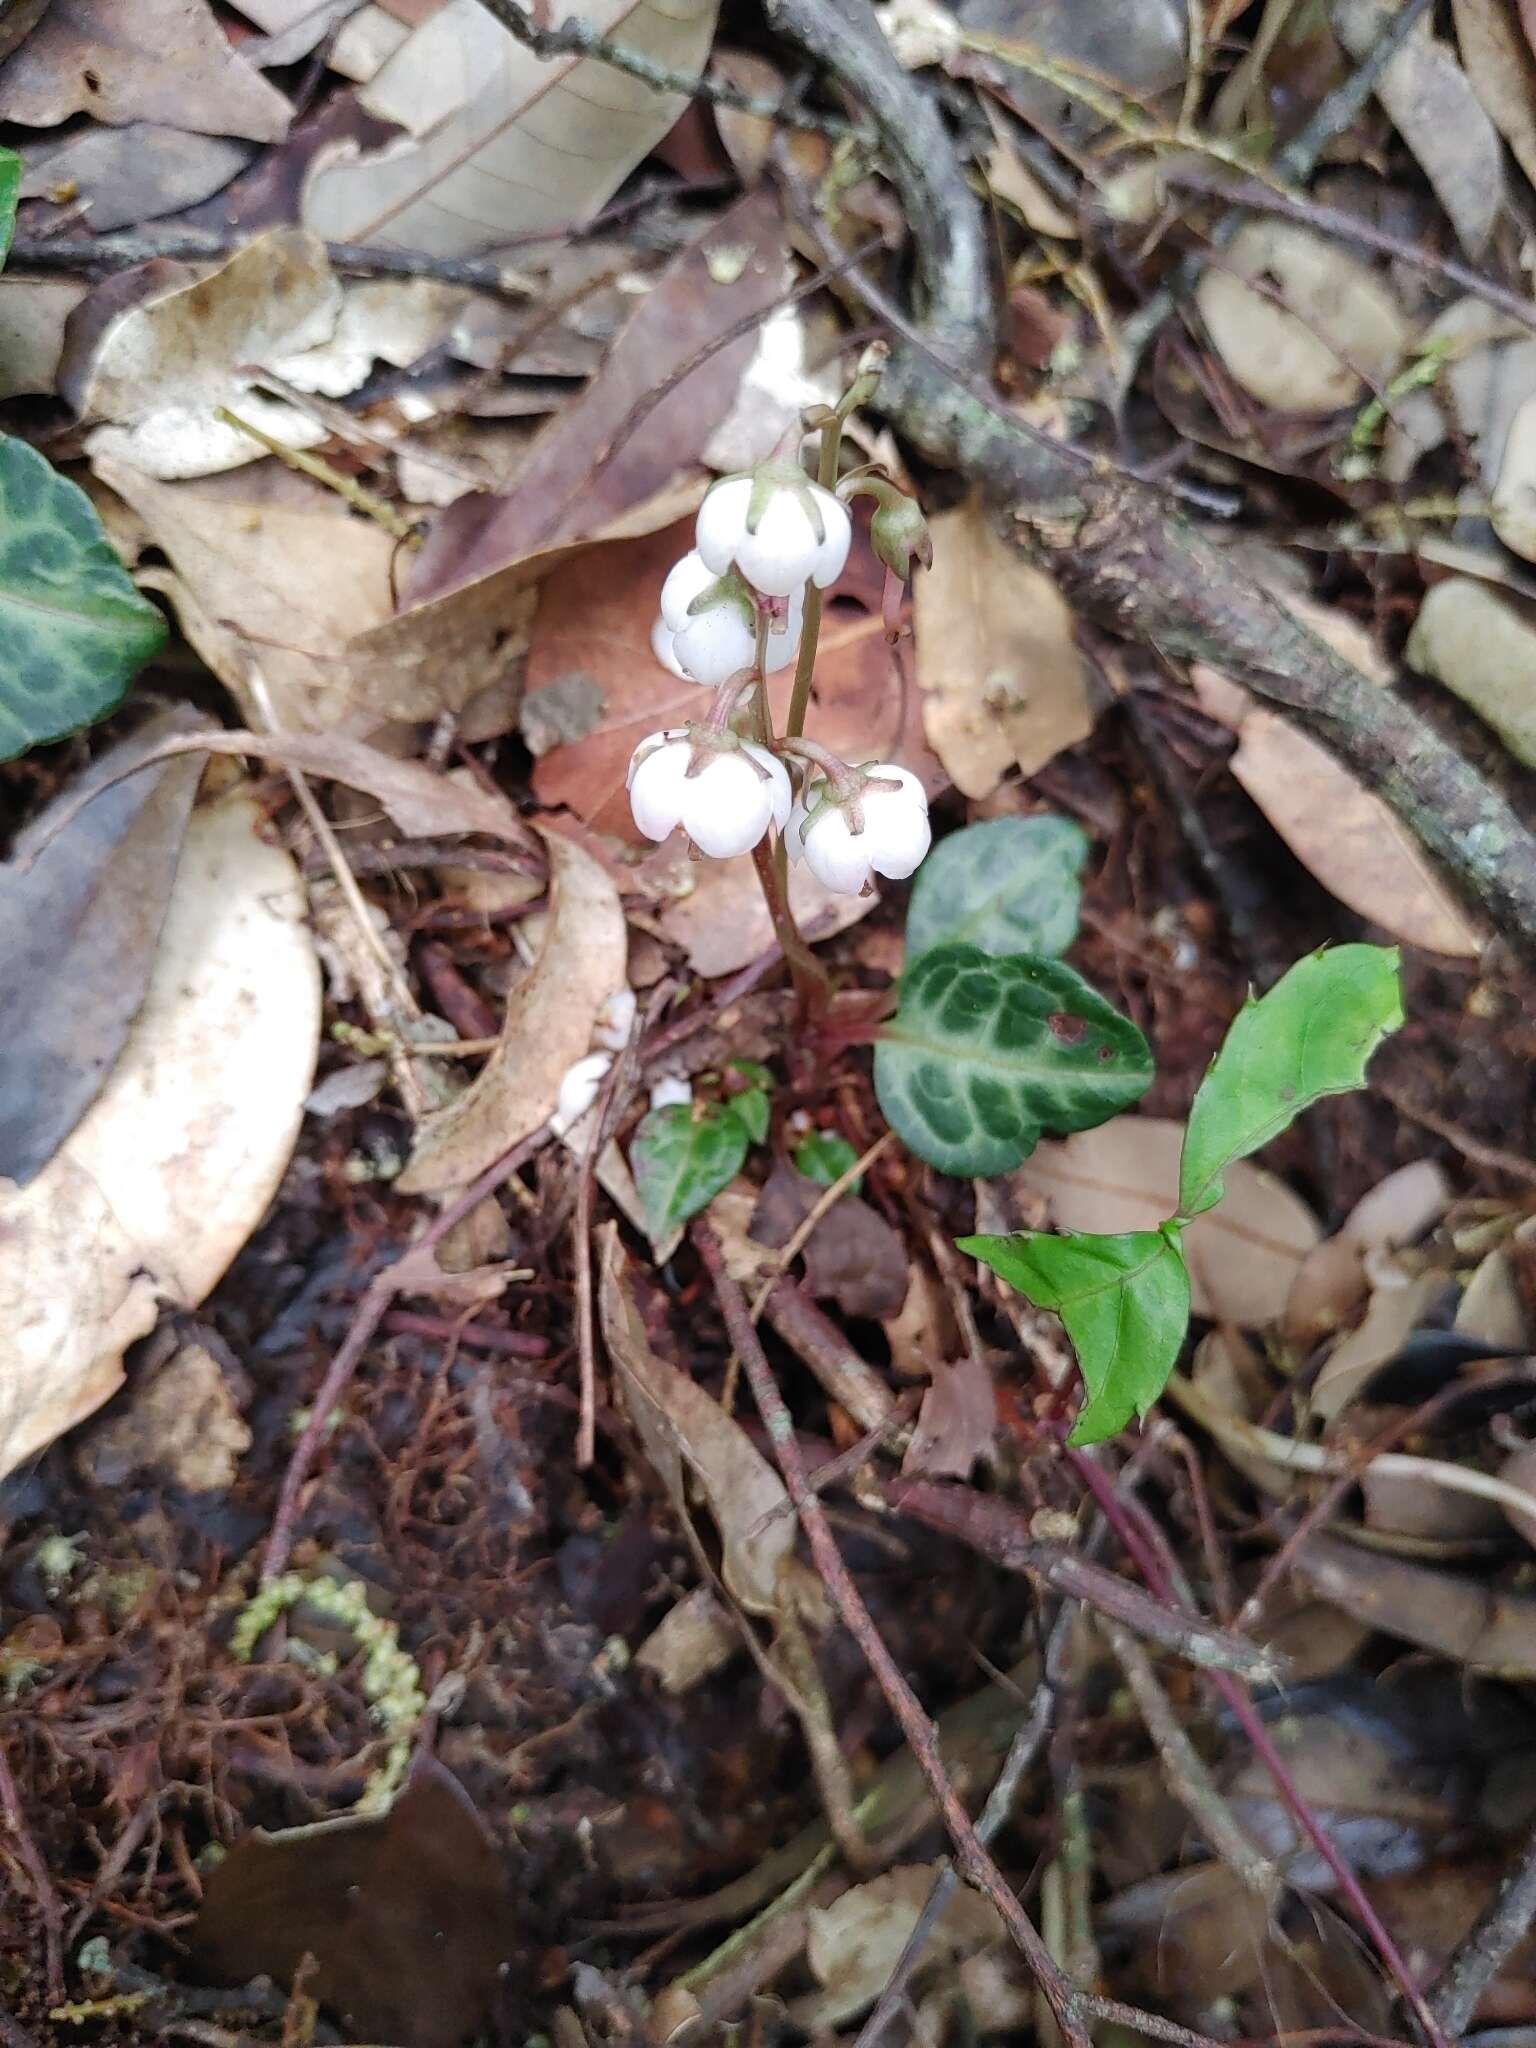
<point x="578" y="38"/>
<point x="1119" y="550"/>
<point x="50" y="1910"/>
<point x="1501" y="1927"/>
<point x="975" y="1863"/>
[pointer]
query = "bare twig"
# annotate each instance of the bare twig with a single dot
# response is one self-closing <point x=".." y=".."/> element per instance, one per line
<point x="846" y="1378"/>
<point x="50" y="1910"/>
<point x="1503" y="1923"/>
<point x="377" y="1297"/>
<point x="577" y="38"/>
<point x="1120" y="551"/>
<point x="975" y="1863"/>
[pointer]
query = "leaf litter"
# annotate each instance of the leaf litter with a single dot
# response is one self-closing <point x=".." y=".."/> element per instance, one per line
<point x="421" y="608"/>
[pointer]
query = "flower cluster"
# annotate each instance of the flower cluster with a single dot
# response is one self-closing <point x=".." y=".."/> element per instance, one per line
<point x="733" y="612"/>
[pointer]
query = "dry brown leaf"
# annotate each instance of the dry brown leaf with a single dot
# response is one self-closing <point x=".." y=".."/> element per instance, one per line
<point x="1348" y="838"/>
<point x="1512" y="513"/>
<point x="594" y="619"/>
<point x="854" y="1944"/>
<point x="497" y="141"/>
<point x="1011" y="180"/>
<point x="697" y="1450"/>
<point x="33" y="312"/>
<point x="1002" y="680"/>
<point x="1313" y="328"/>
<point x="723" y="922"/>
<point x="1502" y="72"/>
<point x="1434" y="109"/>
<point x="171" y="1168"/>
<point x="1243" y="1255"/>
<point x="580" y="476"/>
<point x="1465" y="1619"/>
<point x="184" y="1421"/>
<point x="692" y="1641"/>
<point x="159" y="60"/>
<point x="154" y="354"/>
<point x="547" y="1027"/>
<point x="124" y="176"/>
<point x="1484" y="651"/>
<point x="1397" y="1307"/>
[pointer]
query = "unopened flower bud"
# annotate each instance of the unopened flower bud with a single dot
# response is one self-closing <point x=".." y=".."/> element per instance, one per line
<point x="578" y="1090"/>
<point x="899" y="535"/>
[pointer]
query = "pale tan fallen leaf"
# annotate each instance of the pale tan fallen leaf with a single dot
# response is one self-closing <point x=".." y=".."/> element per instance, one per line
<point x="160" y="60"/>
<point x="125" y="176"/>
<point x="1462" y="1618"/>
<point x="1320" y="327"/>
<point x="692" y="1641"/>
<point x="547" y="1027"/>
<point x="1397" y="1306"/>
<point x="498" y="141"/>
<point x="1512" y="513"/>
<point x="1348" y="838"/>
<point x="33" y="311"/>
<point x="365" y="42"/>
<point x="723" y="922"/>
<point x="1430" y="103"/>
<point x="1011" y="180"/>
<point x="854" y="1944"/>
<point x="1003" y="683"/>
<point x="172" y="1167"/>
<point x="1333" y="1282"/>
<point x="1399" y="1209"/>
<point x="1520" y="1470"/>
<point x="1492" y="1306"/>
<point x="1242" y="1256"/>
<point x="1484" y="651"/>
<point x="154" y="371"/>
<point x="277" y="583"/>
<point x="1502" y="73"/>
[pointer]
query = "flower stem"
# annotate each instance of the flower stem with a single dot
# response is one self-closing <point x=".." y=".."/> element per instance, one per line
<point x="810" y="632"/>
<point x="812" y="983"/>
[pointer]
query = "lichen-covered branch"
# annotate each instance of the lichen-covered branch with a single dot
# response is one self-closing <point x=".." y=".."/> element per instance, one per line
<point x="1123" y="553"/>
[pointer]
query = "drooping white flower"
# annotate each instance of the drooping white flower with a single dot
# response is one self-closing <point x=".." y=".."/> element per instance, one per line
<point x="776" y="527"/>
<point x="671" y="1091"/>
<point x="615" y="1020"/>
<point x="578" y="1089"/>
<point x="708" y="626"/>
<point x="724" y="792"/>
<point x="872" y="831"/>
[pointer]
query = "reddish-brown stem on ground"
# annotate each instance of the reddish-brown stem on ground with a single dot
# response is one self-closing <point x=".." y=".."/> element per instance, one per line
<point x="44" y="1897"/>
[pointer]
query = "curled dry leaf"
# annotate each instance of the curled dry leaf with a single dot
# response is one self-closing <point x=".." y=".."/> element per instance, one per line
<point x="1465" y="1619"/>
<point x="1003" y="683"/>
<point x="81" y="911"/>
<point x="580" y="476"/>
<point x="1242" y="1255"/>
<point x="1430" y="103"/>
<point x="1348" y="838"/>
<point x="497" y="141"/>
<point x="697" y="1449"/>
<point x="161" y="60"/>
<point x="1313" y="327"/>
<point x="166" y="1175"/>
<point x="854" y="1944"/>
<point x="546" y="1029"/>
<point x="693" y="1639"/>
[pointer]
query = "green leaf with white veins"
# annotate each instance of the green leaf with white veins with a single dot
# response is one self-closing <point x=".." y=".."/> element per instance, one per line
<point x="1008" y="885"/>
<point x="73" y="629"/>
<point x="1123" y="1300"/>
<point x="683" y="1155"/>
<point x="1311" y="1036"/>
<point x="985" y="1054"/>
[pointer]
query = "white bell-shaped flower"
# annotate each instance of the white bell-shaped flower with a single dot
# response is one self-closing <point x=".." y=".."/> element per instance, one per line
<point x="709" y="642"/>
<point x="724" y="795"/>
<point x="615" y="1020"/>
<point x="578" y="1090"/>
<point x="777" y="528"/>
<point x="672" y="1091"/>
<point x="873" y="831"/>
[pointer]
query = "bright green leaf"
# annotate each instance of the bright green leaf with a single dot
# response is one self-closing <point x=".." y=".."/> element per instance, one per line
<point x="751" y="1105"/>
<point x="824" y="1157"/>
<point x="1008" y="885"/>
<point x="682" y="1158"/>
<point x="753" y="1071"/>
<point x="1124" y="1301"/>
<point x="10" y="186"/>
<point x="1312" y="1035"/>
<point x="983" y="1055"/>
<point x="73" y="629"/>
